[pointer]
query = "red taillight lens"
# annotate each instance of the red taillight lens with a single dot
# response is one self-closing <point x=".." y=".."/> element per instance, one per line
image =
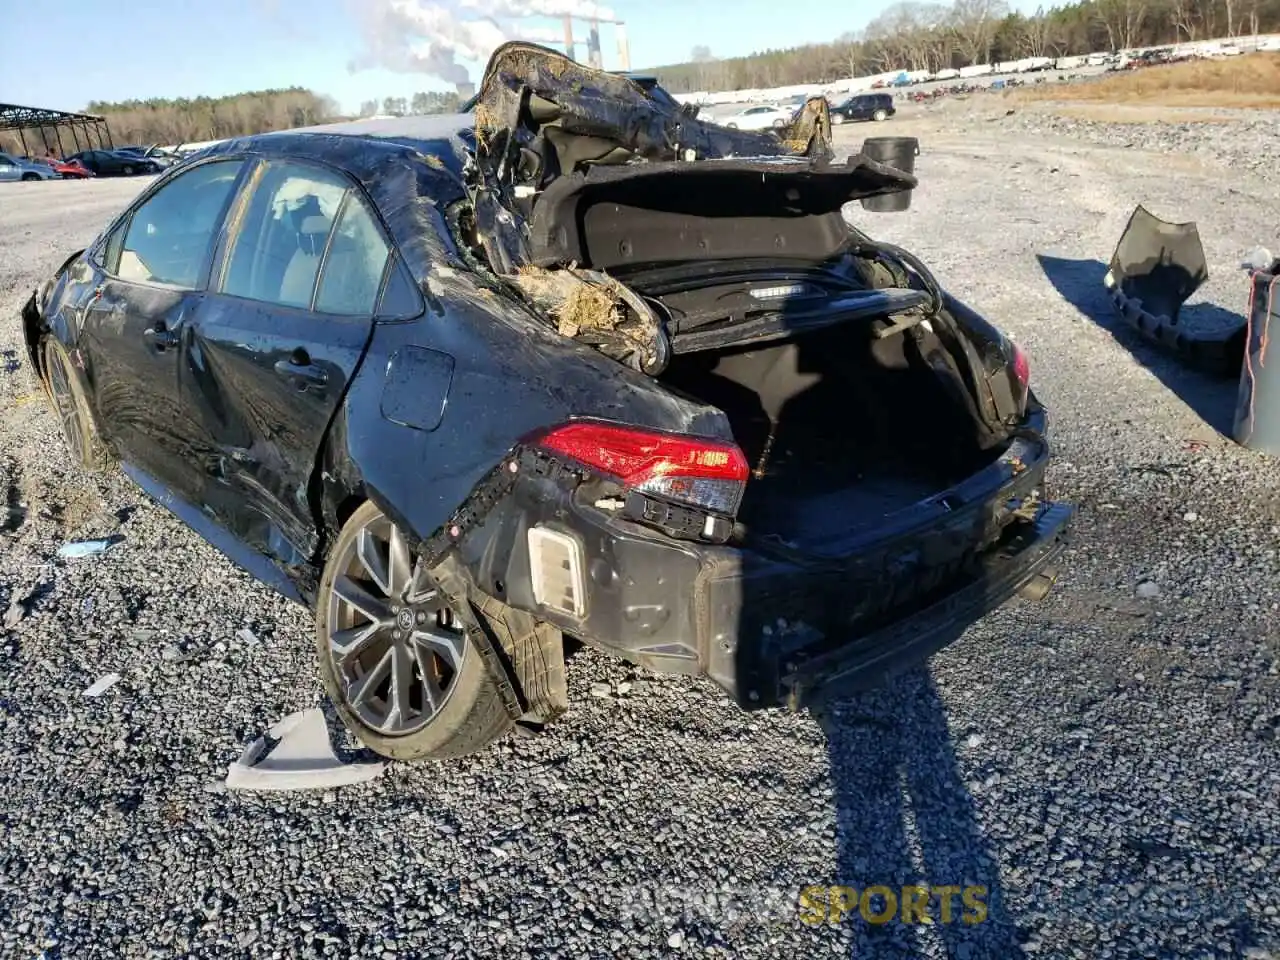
<point x="1021" y="367"/>
<point x="706" y="473"/>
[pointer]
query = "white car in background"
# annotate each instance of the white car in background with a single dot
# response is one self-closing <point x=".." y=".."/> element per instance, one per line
<point x="16" y="168"/>
<point x="759" y="118"/>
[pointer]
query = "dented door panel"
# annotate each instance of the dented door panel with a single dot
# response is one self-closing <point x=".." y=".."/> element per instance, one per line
<point x="264" y="381"/>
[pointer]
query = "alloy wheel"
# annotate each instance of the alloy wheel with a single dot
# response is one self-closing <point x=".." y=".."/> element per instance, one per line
<point x="65" y="403"/>
<point x="395" y="643"/>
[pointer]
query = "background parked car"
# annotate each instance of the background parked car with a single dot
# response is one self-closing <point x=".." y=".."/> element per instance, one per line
<point x="108" y="163"/>
<point x="16" y="168"/>
<point x="759" y="118"/>
<point x="67" y="170"/>
<point x="867" y="106"/>
<point x="162" y="158"/>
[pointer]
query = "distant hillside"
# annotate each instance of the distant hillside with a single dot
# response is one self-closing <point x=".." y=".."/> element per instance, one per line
<point x="935" y="36"/>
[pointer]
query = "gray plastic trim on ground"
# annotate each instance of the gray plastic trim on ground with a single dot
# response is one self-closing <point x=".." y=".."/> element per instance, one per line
<point x="297" y="754"/>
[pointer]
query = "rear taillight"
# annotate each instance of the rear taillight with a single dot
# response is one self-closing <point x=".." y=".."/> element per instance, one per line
<point x="1021" y="367"/>
<point x="1022" y="377"/>
<point x="709" y="474"/>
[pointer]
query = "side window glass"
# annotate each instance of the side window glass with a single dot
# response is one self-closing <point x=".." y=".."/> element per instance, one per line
<point x="169" y="236"/>
<point x="111" y="252"/>
<point x="283" y="235"/>
<point x="357" y="259"/>
<point x="400" y="298"/>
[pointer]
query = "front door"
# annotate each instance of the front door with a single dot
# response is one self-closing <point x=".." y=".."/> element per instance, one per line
<point x="269" y="360"/>
<point x="153" y="267"/>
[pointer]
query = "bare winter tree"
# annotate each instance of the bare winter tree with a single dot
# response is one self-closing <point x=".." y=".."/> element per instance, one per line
<point x="701" y="54"/>
<point x="974" y="23"/>
<point x="1041" y="36"/>
<point x="908" y="35"/>
<point x="1185" y="17"/>
<point x="1123" y="20"/>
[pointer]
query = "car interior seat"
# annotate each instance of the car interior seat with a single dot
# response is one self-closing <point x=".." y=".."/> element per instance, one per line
<point x="300" y="275"/>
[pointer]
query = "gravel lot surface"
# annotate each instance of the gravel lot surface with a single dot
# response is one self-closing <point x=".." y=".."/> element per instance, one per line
<point x="1104" y="762"/>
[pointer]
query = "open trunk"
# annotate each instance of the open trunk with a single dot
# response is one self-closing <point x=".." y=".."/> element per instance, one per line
<point x="720" y="262"/>
<point x="841" y="428"/>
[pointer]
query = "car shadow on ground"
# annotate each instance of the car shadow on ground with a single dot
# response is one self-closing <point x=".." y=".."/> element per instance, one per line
<point x="905" y="818"/>
<point x="1212" y="398"/>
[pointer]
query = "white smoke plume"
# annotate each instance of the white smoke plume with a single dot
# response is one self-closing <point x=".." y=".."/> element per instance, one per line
<point x="542" y="8"/>
<point x="416" y="36"/>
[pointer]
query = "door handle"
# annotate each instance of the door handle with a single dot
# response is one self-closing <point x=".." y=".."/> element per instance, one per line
<point x="160" y="337"/>
<point x="301" y="370"/>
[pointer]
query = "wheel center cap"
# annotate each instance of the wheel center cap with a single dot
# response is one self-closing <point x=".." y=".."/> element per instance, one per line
<point x="404" y="619"/>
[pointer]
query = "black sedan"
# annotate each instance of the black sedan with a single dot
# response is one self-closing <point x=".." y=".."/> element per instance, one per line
<point x="108" y="163"/>
<point x="467" y="391"/>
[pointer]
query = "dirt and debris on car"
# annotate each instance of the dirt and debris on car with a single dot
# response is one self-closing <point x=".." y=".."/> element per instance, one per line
<point x="578" y="364"/>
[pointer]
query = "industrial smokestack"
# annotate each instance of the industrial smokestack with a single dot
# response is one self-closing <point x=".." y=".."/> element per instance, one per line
<point x="624" y="48"/>
<point x="568" y="37"/>
<point x="594" y="56"/>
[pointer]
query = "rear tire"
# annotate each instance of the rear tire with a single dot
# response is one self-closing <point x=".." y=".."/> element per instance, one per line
<point x="79" y="433"/>
<point x="837" y="118"/>
<point x="30" y="177"/>
<point x="127" y="170"/>
<point x="396" y="659"/>
<point x="879" y="116"/>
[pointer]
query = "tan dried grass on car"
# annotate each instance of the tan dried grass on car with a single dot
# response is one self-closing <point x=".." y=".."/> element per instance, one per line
<point x="574" y="303"/>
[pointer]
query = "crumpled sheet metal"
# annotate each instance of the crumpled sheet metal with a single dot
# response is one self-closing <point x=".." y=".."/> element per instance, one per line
<point x="596" y="103"/>
<point x="1156" y="267"/>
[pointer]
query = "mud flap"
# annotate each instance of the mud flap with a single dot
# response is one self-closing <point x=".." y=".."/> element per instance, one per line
<point x="1155" y="269"/>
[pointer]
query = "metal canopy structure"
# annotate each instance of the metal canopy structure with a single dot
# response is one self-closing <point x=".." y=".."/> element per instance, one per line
<point x="82" y="127"/>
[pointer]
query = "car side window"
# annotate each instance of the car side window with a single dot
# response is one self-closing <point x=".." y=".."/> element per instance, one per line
<point x="401" y="299"/>
<point x="168" y="238"/>
<point x="284" y="233"/>
<point x="355" y="263"/>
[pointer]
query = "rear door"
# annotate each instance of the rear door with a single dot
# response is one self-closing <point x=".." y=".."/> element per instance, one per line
<point x="153" y="265"/>
<point x="270" y="360"/>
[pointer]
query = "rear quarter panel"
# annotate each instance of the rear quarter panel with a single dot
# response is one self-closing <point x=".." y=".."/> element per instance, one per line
<point x="509" y="375"/>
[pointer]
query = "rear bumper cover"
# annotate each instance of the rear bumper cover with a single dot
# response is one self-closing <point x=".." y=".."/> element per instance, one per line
<point x="775" y="629"/>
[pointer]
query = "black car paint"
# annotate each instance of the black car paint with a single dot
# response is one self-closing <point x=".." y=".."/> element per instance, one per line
<point x="219" y="428"/>
<point x="267" y="465"/>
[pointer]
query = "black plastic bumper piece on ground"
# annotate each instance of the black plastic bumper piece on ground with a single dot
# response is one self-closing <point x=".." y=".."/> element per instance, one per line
<point x="870" y="658"/>
<point x="1156" y="266"/>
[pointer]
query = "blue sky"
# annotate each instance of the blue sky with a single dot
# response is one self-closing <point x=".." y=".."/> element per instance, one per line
<point x="65" y="54"/>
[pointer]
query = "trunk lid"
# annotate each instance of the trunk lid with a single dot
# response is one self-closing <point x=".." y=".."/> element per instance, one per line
<point x="621" y="215"/>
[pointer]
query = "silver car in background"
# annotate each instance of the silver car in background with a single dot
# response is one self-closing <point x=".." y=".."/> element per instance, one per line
<point x="15" y="168"/>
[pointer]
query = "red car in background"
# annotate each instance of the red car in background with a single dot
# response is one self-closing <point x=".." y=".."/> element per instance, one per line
<point x="67" y="169"/>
